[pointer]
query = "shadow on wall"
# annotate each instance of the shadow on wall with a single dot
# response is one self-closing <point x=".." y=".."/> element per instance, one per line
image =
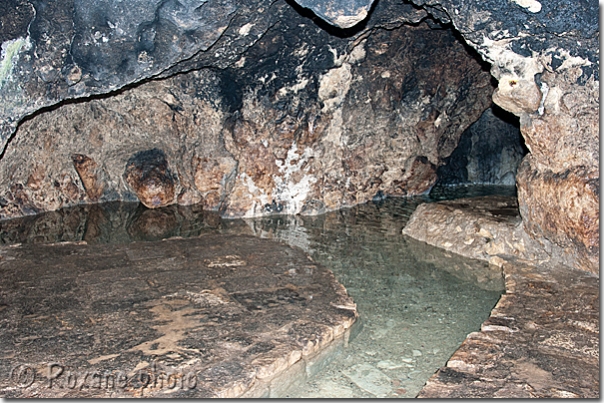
<point x="489" y="152"/>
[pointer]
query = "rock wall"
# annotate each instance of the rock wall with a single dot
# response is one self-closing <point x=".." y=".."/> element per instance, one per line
<point x="303" y="122"/>
<point x="545" y="57"/>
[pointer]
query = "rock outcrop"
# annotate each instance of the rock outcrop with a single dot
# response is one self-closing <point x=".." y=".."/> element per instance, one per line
<point x="147" y="173"/>
<point x="542" y="338"/>
<point x="541" y="341"/>
<point x="300" y="123"/>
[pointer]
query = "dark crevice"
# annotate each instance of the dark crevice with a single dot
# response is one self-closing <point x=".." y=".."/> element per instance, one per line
<point x="488" y="153"/>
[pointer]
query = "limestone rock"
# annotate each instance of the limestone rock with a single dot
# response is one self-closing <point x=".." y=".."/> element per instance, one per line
<point x="74" y="49"/>
<point x="212" y="176"/>
<point x="148" y="175"/>
<point x="372" y="119"/>
<point x="546" y="320"/>
<point x="551" y="87"/>
<point x="78" y="48"/>
<point x="488" y="228"/>
<point x="563" y="208"/>
<point x="89" y="174"/>
<point x="174" y="318"/>
<point x="545" y="56"/>
<point x="541" y="341"/>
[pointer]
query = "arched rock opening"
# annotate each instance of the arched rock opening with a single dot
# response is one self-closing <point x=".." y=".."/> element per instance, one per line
<point x="489" y="152"/>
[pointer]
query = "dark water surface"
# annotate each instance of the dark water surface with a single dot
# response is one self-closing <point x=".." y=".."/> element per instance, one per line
<point x="416" y="303"/>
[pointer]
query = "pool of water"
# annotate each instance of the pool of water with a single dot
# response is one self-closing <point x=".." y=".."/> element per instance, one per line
<point x="416" y="303"/>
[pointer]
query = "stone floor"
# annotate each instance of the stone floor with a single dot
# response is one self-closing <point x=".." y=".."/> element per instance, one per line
<point x="214" y="316"/>
<point x="542" y="338"/>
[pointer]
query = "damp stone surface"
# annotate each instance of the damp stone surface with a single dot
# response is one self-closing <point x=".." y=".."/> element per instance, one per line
<point x="210" y="316"/>
<point x="416" y="303"/>
<point x="542" y="338"/>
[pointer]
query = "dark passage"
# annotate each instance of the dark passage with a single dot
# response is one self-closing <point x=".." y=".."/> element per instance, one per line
<point x="488" y="153"/>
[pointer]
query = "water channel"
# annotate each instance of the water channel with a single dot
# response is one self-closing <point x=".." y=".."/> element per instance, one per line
<point x="416" y="303"/>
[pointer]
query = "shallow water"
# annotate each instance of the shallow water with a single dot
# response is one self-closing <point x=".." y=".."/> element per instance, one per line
<point x="415" y="307"/>
<point x="416" y="303"/>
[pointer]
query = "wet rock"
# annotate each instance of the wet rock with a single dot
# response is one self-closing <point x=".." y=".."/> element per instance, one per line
<point x="488" y="228"/>
<point x="213" y="177"/>
<point x="541" y="341"/>
<point x="544" y="321"/>
<point x="148" y="175"/>
<point x="558" y="184"/>
<point x="370" y="379"/>
<point x="544" y="55"/>
<point x="353" y="137"/>
<point x="574" y="195"/>
<point x="553" y="89"/>
<point x="387" y="364"/>
<point x="113" y="223"/>
<point x="105" y="130"/>
<point x="178" y="318"/>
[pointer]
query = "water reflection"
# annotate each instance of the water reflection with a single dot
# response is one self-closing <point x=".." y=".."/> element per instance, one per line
<point x="109" y="223"/>
<point x="417" y="303"/>
<point x="123" y="222"/>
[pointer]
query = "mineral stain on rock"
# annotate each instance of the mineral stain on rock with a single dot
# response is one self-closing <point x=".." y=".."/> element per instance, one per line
<point x="147" y="173"/>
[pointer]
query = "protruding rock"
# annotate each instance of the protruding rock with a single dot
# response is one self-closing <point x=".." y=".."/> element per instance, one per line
<point x="517" y="94"/>
<point x="148" y="175"/>
<point x="88" y="170"/>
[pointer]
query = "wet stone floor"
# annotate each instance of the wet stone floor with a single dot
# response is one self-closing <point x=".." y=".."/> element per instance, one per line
<point x="416" y="303"/>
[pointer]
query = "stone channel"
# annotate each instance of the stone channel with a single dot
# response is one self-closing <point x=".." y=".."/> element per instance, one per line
<point x="152" y="306"/>
<point x="177" y="302"/>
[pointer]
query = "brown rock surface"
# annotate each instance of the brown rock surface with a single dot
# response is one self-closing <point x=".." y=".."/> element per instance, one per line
<point x="557" y="100"/>
<point x="542" y="338"/>
<point x="488" y="228"/>
<point x="558" y="183"/>
<point x="89" y="174"/>
<point x="270" y="134"/>
<point x="214" y="316"/>
<point x="147" y="173"/>
<point x="563" y="207"/>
